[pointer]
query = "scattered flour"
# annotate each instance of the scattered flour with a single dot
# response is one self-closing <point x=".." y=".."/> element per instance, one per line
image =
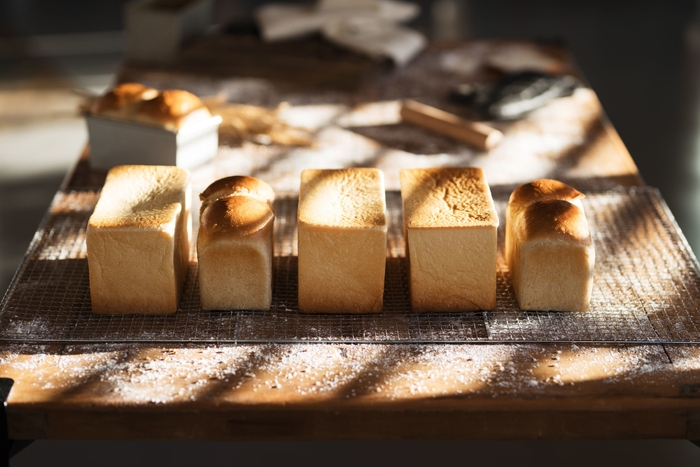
<point x="129" y="374"/>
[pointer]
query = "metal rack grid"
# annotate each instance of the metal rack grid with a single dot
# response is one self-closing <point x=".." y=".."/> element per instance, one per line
<point x="646" y="289"/>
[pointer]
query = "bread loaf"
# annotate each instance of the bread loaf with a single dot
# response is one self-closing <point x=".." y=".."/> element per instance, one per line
<point x="342" y="241"/>
<point x="239" y="185"/>
<point x="235" y="245"/>
<point x="138" y="240"/>
<point x="549" y="250"/>
<point x="121" y="101"/>
<point x="172" y="110"/>
<point x="450" y="226"/>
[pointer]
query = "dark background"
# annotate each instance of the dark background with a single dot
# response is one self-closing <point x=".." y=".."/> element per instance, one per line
<point x="642" y="58"/>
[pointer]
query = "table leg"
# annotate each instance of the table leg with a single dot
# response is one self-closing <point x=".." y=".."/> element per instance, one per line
<point x="8" y="447"/>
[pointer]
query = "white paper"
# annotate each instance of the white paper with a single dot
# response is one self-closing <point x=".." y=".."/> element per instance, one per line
<point x="336" y="5"/>
<point x="377" y="38"/>
<point x="282" y="21"/>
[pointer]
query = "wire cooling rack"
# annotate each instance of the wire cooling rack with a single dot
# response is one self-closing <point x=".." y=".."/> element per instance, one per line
<point x="646" y="289"/>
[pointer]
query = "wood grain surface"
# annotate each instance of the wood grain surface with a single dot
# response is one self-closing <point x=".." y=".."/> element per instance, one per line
<point x="352" y="391"/>
<point x="370" y="391"/>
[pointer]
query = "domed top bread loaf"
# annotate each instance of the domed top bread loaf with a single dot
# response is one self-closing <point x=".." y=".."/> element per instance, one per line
<point x="121" y="101"/>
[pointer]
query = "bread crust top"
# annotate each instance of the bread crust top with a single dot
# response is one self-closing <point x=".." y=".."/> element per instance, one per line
<point x="554" y="220"/>
<point x="122" y="99"/>
<point x="345" y="198"/>
<point x="141" y="196"/>
<point x="238" y="185"/>
<point x="233" y="217"/>
<point x="446" y="198"/>
<point x="172" y="109"/>
<point x="543" y="189"/>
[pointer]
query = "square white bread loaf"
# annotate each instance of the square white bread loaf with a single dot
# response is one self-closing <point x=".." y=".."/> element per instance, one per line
<point x="235" y="245"/>
<point x="138" y="240"/>
<point x="549" y="250"/>
<point x="450" y="227"/>
<point x="342" y="241"/>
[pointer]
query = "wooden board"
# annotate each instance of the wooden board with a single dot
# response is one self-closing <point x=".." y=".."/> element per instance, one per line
<point x="571" y="139"/>
<point x="352" y="391"/>
<point x="369" y="391"/>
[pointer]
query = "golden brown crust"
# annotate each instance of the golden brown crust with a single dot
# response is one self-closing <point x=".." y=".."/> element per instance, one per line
<point x="549" y="249"/>
<point x="342" y="241"/>
<point x="233" y="216"/>
<point x="450" y="224"/>
<point x="235" y="244"/>
<point x="121" y="100"/>
<point x="172" y="109"/>
<point x="140" y="196"/>
<point x="237" y="185"/>
<point x="541" y="190"/>
<point x="554" y="220"/>
<point x="347" y="198"/>
<point x="138" y="240"/>
<point x="447" y="197"/>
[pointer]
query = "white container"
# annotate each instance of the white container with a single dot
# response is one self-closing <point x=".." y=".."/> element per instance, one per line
<point x="117" y="142"/>
<point x="156" y="33"/>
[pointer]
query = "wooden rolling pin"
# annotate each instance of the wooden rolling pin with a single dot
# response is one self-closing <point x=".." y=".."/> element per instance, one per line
<point x="473" y="133"/>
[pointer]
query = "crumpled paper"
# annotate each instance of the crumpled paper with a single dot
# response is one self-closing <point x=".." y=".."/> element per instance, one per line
<point x="365" y="26"/>
<point x="376" y="37"/>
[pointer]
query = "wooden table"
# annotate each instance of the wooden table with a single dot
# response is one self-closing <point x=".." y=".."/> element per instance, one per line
<point x="373" y="391"/>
